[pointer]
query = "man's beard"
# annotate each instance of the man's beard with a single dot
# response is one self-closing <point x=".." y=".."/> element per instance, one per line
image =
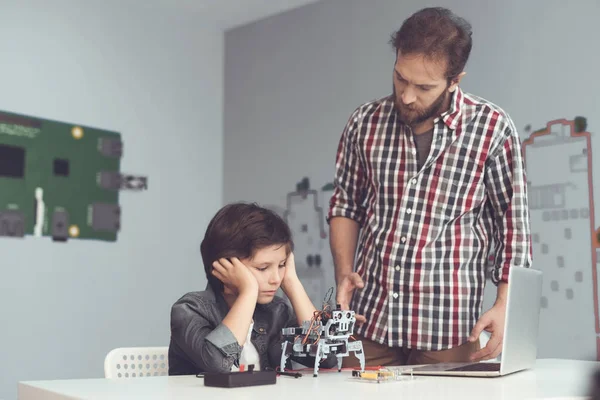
<point x="413" y="117"/>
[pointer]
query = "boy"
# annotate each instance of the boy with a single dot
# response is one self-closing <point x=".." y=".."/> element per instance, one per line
<point x="237" y="320"/>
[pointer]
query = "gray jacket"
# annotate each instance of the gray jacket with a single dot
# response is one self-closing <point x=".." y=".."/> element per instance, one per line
<point x="201" y="343"/>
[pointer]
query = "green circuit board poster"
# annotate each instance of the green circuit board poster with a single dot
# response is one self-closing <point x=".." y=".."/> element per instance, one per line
<point x="60" y="180"/>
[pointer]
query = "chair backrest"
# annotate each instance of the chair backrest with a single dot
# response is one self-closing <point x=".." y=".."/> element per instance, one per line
<point x="136" y="362"/>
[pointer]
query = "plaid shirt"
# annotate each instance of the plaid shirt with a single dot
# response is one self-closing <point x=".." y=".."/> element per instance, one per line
<point x="426" y="234"/>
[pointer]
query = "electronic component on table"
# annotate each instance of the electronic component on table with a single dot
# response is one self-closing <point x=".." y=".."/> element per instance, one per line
<point x="380" y="375"/>
<point x="240" y="379"/>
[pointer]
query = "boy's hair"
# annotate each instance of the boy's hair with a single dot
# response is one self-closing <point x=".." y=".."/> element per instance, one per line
<point x="436" y="33"/>
<point x="240" y="230"/>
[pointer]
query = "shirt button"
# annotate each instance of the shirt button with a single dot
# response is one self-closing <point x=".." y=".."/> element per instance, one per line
<point x="403" y="239"/>
<point x="414" y="181"/>
<point x="397" y="268"/>
<point x="414" y="152"/>
<point x="395" y="295"/>
<point x="409" y="211"/>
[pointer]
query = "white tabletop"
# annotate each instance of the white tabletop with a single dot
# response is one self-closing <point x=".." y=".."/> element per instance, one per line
<point x="551" y="379"/>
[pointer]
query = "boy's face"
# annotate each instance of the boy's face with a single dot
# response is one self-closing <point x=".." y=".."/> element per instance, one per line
<point x="268" y="267"/>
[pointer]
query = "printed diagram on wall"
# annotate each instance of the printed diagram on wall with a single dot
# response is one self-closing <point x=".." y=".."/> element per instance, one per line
<point x="60" y="180"/>
<point x="565" y="245"/>
<point x="306" y="217"/>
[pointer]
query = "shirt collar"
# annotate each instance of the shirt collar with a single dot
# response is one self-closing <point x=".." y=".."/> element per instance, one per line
<point x="453" y="115"/>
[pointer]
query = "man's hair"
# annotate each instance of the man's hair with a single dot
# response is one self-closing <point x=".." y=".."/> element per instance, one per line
<point x="436" y="33"/>
<point x="240" y="230"/>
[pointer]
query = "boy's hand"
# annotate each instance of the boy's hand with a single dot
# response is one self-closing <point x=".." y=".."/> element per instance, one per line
<point x="290" y="268"/>
<point x="291" y="276"/>
<point x="235" y="275"/>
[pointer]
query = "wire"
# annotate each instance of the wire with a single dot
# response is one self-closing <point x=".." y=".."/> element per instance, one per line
<point x="316" y="322"/>
<point x="367" y="368"/>
<point x="292" y="374"/>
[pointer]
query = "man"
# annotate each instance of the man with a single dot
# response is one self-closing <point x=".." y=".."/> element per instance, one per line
<point x="434" y="180"/>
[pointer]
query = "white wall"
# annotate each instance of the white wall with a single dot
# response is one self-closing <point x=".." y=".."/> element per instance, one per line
<point x="291" y="82"/>
<point x="156" y="77"/>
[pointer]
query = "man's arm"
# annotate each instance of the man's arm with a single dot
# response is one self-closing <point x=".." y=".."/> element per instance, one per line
<point x="506" y="187"/>
<point x="343" y="237"/>
<point x="347" y="213"/>
<point x="501" y="293"/>
<point x="346" y="210"/>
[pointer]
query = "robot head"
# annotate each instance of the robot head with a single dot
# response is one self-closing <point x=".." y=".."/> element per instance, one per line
<point x="344" y="321"/>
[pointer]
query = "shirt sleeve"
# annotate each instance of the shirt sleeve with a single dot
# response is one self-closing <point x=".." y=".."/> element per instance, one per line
<point x="210" y="348"/>
<point x="349" y="181"/>
<point x="506" y="184"/>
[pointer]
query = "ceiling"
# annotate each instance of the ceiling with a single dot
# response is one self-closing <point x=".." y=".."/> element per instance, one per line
<point x="227" y="14"/>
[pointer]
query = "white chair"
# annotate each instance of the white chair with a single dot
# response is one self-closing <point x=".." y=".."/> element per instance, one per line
<point x="136" y="362"/>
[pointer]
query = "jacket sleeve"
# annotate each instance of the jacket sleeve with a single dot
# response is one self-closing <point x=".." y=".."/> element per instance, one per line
<point x="211" y="348"/>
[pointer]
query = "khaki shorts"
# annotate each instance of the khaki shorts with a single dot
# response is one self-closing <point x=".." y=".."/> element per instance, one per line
<point x="381" y="355"/>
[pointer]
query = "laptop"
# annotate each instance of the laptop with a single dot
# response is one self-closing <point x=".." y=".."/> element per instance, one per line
<point x="519" y="349"/>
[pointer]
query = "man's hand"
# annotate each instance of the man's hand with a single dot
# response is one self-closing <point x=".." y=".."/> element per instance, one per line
<point x="491" y="321"/>
<point x="345" y="289"/>
<point x="235" y="276"/>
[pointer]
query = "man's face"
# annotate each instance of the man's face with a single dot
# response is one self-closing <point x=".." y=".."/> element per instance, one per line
<point x="421" y="89"/>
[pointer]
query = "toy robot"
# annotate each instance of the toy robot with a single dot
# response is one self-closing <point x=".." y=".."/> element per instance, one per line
<point x="326" y="333"/>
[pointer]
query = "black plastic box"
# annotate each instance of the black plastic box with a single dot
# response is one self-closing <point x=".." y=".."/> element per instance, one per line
<point x="240" y="379"/>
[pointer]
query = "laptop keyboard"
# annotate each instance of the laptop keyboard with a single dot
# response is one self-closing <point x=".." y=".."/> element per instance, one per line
<point x="478" y="367"/>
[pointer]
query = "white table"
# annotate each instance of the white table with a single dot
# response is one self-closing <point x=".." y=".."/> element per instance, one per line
<point x="550" y="379"/>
